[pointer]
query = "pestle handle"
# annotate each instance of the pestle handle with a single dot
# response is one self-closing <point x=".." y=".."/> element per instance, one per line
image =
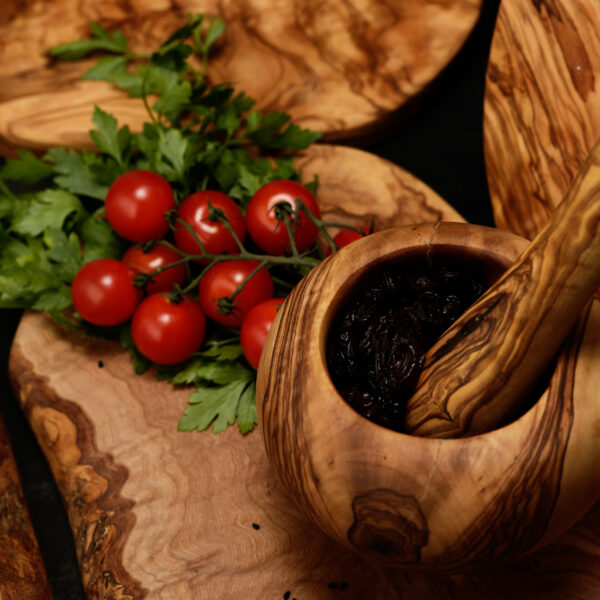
<point x="483" y="366"/>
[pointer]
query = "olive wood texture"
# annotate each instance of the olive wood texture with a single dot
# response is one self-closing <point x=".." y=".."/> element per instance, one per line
<point x="483" y="368"/>
<point x="344" y="68"/>
<point x="157" y="513"/>
<point x="22" y="572"/>
<point x="442" y="505"/>
<point x="541" y="114"/>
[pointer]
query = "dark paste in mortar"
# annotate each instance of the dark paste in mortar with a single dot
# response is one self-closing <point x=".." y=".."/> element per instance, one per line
<point x="378" y="339"/>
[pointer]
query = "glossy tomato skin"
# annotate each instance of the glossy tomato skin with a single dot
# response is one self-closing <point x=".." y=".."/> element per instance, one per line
<point x="215" y="238"/>
<point x="347" y="236"/>
<point x="155" y="258"/>
<point x="103" y="292"/>
<point x="168" y="332"/>
<point x="263" y="227"/>
<point x="136" y="204"/>
<point x="255" y="327"/>
<point x="223" y="279"/>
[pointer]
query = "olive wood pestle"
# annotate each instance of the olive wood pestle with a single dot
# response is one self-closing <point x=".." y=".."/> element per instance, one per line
<point x="483" y="366"/>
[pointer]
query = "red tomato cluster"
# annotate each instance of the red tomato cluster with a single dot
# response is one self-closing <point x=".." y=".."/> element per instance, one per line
<point x="169" y="329"/>
<point x="255" y="328"/>
<point x="213" y="235"/>
<point x="271" y="234"/>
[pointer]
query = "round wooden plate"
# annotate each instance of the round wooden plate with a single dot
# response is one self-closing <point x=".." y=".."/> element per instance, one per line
<point x="343" y="68"/>
<point x="158" y="514"/>
<point x="541" y="112"/>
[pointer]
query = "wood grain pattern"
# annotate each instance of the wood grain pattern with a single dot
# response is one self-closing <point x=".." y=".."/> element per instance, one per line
<point x="22" y="572"/>
<point x="344" y="68"/>
<point x="482" y="370"/>
<point x="161" y="514"/>
<point x="447" y="506"/>
<point x="541" y="113"/>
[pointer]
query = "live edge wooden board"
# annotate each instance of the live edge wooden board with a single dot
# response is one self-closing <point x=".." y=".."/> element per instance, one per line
<point x="341" y="67"/>
<point x="163" y="515"/>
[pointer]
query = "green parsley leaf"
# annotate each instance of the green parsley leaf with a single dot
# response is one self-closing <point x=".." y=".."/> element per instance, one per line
<point x="6" y="208"/>
<point x="172" y="57"/>
<point x="202" y="370"/>
<point x="98" y="238"/>
<point x="220" y="351"/>
<point x="226" y="171"/>
<point x="246" y="412"/>
<point x="262" y="127"/>
<point x="249" y="180"/>
<point x="53" y="299"/>
<point x="213" y="97"/>
<point x="185" y="31"/>
<point x="173" y="147"/>
<point x="216" y="28"/>
<point x="48" y="208"/>
<point x="107" y="68"/>
<point x="132" y="83"/>
<point x="174" y="92"/>
<point x="217" y="405"/>
<point x="27" y="168"/>
<point x="101" y="40"/>
<point x="228" y="120"/>
<point x="267" y="130"/>
<point x="64" y="252"/>
<point x="28" y="279"/>
<point x="294" y="137"/>
<point x="107" y="138"/>
<point x="75" y="172"/>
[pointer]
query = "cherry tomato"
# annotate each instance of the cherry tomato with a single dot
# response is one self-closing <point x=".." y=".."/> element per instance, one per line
<point x="223" y="279"/>
<point x="255" y="327"/>
<point x="168" y="332"/>
<point x="157" y="257"/>
<point x="136" y="204"/>
<point x="270" y="234"/>
<point x="347" y="236"/>
<point x="103" y="292"/>
<point x="215" y="238"/>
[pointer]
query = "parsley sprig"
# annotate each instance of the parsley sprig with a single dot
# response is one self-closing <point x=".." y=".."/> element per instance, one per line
<point x="198" y="136"/>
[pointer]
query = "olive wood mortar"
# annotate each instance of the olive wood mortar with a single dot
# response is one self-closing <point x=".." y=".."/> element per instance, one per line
<point x="444" y="505"/>
<point x="477" y="374"/>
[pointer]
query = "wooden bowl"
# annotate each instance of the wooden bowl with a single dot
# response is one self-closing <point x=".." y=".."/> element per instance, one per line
<point x="447" y="506"/>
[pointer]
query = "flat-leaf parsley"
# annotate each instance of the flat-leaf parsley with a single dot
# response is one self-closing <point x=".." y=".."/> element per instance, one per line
<point x="197" y="136"/>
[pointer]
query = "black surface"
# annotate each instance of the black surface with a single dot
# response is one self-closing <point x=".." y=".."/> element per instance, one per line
<point x="442" y="144"/>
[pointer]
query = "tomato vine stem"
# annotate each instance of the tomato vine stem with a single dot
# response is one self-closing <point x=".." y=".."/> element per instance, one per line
<point x="293" y="259"/>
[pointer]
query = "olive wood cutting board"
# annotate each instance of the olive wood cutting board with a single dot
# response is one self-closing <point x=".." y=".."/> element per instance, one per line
<point x="542" y="106"/>
<point x="157" y="513"/>
<point x="341" y="67"/>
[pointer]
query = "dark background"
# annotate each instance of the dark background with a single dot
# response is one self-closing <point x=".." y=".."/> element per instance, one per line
<point x="441" y="143"/>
